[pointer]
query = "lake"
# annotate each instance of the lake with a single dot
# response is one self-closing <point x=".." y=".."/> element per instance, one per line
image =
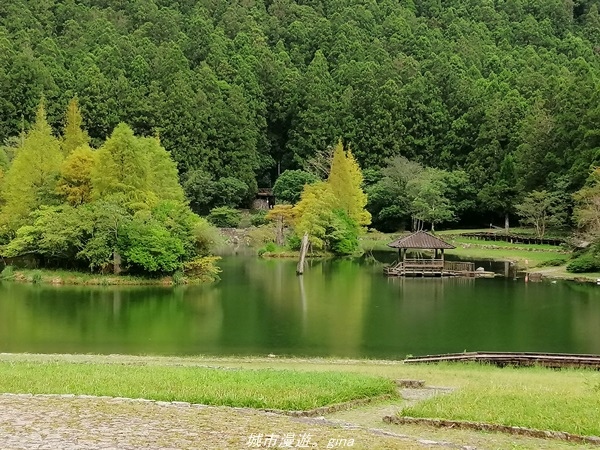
<point x="340" y="307"/>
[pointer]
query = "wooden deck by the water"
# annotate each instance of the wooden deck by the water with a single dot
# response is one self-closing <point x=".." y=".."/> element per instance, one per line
<point x="433" y="268"/>
<point x="553" y="360"/>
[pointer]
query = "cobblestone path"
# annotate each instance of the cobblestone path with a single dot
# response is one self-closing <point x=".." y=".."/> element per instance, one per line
<point x="69" y="422"/>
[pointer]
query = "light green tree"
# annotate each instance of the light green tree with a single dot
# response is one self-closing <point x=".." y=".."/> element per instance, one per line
<point x="73" y="135"/>
<point x="314" y="212"/>
<point x="121" y="167"/>
<point x="75" y="182"/>
<point x="55" y="233"/>
<point x="345" y="180"/>
<point x="163" y="179"/>
<point x="31" y="179"/>
<point x="358" y="198"/>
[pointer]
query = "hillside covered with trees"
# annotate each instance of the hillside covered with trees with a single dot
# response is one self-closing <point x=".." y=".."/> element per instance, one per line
<point x="487" y="100"/>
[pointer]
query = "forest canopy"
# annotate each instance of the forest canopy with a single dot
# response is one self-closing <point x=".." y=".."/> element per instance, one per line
<point x="498" y="97"/>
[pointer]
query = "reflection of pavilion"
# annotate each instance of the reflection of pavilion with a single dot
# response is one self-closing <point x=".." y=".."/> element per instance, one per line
<point x="426" y="267"/>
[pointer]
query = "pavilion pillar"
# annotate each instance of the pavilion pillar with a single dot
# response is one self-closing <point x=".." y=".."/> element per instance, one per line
<point x="442" y="255"/>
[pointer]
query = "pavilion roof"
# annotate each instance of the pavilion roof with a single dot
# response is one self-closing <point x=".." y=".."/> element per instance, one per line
<point x="420" y="239"/>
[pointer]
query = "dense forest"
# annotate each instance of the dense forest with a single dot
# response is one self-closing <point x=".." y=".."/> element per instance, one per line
<point x="490" y="100"/>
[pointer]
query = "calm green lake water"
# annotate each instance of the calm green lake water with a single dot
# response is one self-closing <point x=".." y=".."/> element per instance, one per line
<point x="342" y="307"/>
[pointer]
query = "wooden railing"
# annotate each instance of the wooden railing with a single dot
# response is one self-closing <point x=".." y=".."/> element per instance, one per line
<point x="418" y="263"/>
<point x="411" y="266"/>
<point x="456" y="266"/>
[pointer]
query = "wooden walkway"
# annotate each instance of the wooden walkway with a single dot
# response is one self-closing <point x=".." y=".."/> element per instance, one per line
<point x="433" y="268"/>
<point x="553" y="360"/>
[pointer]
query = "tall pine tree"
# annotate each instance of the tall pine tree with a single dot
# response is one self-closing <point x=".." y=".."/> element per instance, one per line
<point x="345" y="179"/>
<point x="121" y="167"/>
<point x="73" y="135"/>
<point x="31" y="179"/>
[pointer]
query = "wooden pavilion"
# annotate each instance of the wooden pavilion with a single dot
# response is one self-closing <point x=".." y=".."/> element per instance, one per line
<point x="425" y="267"/>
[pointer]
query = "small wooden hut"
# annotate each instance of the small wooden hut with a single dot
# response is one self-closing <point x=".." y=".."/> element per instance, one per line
<point x="265" y="199"/>
<point x="434" y="266"/>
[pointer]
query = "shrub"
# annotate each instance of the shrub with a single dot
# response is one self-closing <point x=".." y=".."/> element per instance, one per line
<point x="8" y="273"/>
<point x="585" y="263"/>
<point x="289" y="185"/>
<point x="259" y="218"/>
<point x="206" y="236"/>
<point x="36" y="278"/>
<point x="199" y="188"/>
<point x="293" y="242"/>
<point x="203" y="269"/>
<point x="225" y="217"/>
<point x="261" y="235"/>
<point x="269" y="248"/>
<point x="178" y="277"/>
<point x="230" y="192"/>
<point x="342" y="234"/>
<point x="148" y="246"/>
<point x="553" y="262"/>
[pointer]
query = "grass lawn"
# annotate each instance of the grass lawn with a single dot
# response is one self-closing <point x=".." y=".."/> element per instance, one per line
<point x="521" y="231"/>
<point x="533" y="397"/>
<point x="560" y="400"/>
<point x="72" y="277"/>
<point x="523" y="257"/>
<point x="263" y="388"/>
<point x="47" y="276"/>
<point x="460" y="240"/>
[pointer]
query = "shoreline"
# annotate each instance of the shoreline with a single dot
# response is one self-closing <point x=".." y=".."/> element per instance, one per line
<point x="77" y="278"/>
<point x="520" y="256"/>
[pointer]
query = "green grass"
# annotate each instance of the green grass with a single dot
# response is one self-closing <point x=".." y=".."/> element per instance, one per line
<point x="560" y="400"/>
<point x="263" y="388"/>
<point x="535" y="398"/>
<point x="502" y="244"/>
<point x="521" y="231"/>
<point x="377" y="241"/>
<point x="523" y="257"/>
<point x="58" y="277"/>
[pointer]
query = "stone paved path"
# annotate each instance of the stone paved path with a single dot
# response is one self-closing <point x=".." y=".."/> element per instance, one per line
<point x="69" y="422"/>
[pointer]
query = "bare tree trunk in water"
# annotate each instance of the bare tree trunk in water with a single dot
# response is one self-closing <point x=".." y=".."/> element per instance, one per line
<point x="303" y="250"/>
<point x="116" y="262"/>
<point x="279" y="236"/>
